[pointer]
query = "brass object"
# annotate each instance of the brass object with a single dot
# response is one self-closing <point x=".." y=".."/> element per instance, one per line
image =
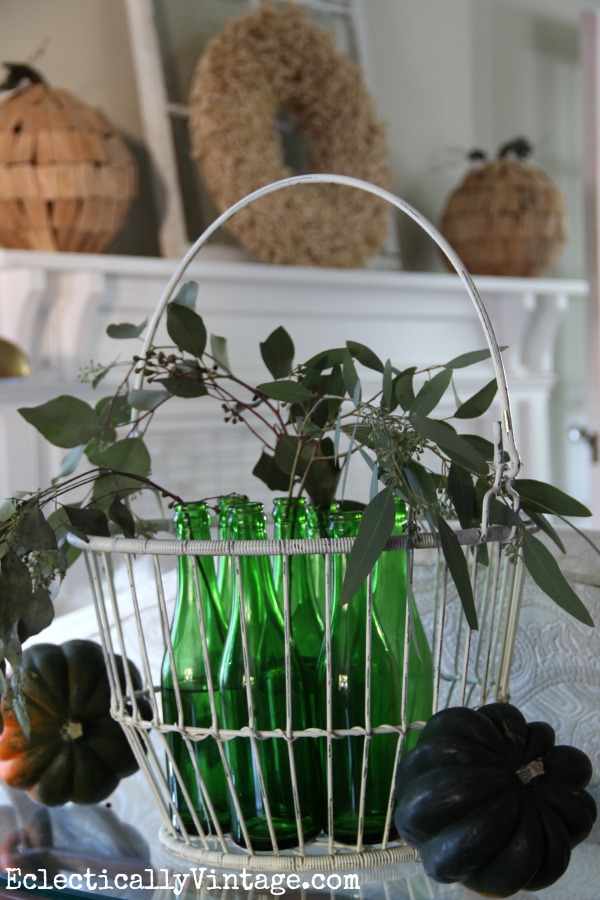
<point x="13" y="361"/>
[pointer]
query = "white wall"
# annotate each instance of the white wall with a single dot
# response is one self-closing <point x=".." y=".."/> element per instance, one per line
<point x="447" y="75"/>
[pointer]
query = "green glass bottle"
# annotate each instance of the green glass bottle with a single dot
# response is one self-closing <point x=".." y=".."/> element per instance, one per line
<point x="262" y="620"/>
<point x="317" y="526"/>
<point x="348" y="695"/>
<point x="389" y="600"/>
<point x="224" y="566"/>
<point x="192" y="522"/>
<point x="290" y="521"/>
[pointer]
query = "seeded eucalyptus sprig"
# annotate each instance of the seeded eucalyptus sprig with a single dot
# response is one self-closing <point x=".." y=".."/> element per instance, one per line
<point x="311" y="420"/>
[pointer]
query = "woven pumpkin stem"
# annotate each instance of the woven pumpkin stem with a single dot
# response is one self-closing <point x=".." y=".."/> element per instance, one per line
<point x="519" y="147"/>
<point x="17" y="73"/>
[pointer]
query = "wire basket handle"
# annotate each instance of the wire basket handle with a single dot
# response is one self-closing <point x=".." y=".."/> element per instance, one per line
<point x="506" y="469"/>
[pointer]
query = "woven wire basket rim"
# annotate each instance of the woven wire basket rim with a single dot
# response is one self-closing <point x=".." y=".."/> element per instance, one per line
<point x="470" y="537"/>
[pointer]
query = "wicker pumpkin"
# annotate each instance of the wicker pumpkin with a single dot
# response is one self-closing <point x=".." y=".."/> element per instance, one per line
<point x="506" y="217"/>
<point x="67" y="179"/>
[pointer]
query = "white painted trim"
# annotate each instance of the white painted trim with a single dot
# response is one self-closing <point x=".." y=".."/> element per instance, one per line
<point x="153" y="100"/>
<point x="590" y="52"/>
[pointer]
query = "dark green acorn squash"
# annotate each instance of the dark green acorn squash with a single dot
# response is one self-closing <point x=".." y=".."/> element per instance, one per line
<point x="491" y="802"/>
<point x="75" y="750"/>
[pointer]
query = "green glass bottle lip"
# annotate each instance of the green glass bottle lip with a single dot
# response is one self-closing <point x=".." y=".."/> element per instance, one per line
<point x="225" y="503"/>
<point x="246" y="512"/>
<point x="289" y="503"/>
<point x="189" y="509"/>
<point x="191" y="517"/>
<point x="343" y="522"/>
<point x="345" y="515"/>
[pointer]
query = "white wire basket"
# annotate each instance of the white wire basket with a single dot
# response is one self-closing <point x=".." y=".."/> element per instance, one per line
<point x="469" y="667"/>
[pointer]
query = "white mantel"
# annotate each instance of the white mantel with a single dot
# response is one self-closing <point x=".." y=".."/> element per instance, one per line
<point x="57" y="306"/>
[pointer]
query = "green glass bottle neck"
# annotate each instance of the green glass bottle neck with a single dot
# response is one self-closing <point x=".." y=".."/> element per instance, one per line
<point x="344" y="523"/>
<point x="247" y="522"/>
<point x="226" y="504"/>
<point x="401" y="516"/>
<point x="192" y="521"/>
<point x="290" y="518"/>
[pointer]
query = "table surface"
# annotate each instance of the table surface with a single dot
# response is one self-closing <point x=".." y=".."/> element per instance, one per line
<point x="91" y="851"/>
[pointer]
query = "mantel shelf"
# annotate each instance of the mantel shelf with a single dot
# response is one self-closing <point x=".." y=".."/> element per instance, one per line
<point x="56" y="306"/>
<point x="234" y="268"/>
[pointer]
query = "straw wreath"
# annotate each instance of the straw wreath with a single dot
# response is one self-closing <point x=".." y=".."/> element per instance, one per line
<point x="270" y="61"/>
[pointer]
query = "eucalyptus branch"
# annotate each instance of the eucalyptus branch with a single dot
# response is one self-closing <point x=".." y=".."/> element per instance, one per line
<point x="274" y="408"/>
<point x="303" y="481"/>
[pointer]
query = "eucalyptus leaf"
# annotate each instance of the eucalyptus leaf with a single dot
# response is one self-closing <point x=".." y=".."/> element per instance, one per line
<point x="285" y="391"/>
<point x="309" y="428"/>
<point x="365" y="356"/>
<point x="351" y="379"/>
<point x="462" y="493"/>
<point x="268" y="472"/>
<point x="469" y="359"/>
<point x="71" y="460"/>
<point x="501" y="514"/>
<point x="479" y="403"/>
<point x="100" y="376"/>
<point x="219" y="351"/>
<point x="454" y="446"/>
<point x="125" y="330"/>
<point x="89" y="521"/>
<point x="129" y="455"/>
<point x="546" y="573"/>
<point x="375" y="529"/>
<point x="16" y="592"/>
<point x="404" y="389"/>
<point x="292" y="454"/>
<point x="544" y="525"/>
<point x="146" y="399"/>
<point x="278" y="353"/>
<point x="431" y="393"/>
<point x="323" y="475"/>
<point x="421" y="484"/>
<point x="8" y="507"/>
<point x="13" y="652"/>
<point x="582" y="535"/>
<point x="482" y="445"/>
<point x="362" y="433"/>
<point x="180" y="386"/>
<point x="187" y="295"/>
<point x="120" y="513"/>
<point x="371" y="463"/>
<point x="335" y="387"/>
<point x="459" y="570"/>
<point x="346" y="466"/>
<point x="336" y="437"/>
<point x="35" y="532"/>
<point x="541" y="497"/>
<point x="374" y="483"/>
<point x="37" y="615"/>
<point x="20" y="709"/>
<point x="65" y="421"/>
<point x="326" y="359"/>
<point x="388" y="400"/>
<point x="186" y="329"/>
<point x="113" y="411"/>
